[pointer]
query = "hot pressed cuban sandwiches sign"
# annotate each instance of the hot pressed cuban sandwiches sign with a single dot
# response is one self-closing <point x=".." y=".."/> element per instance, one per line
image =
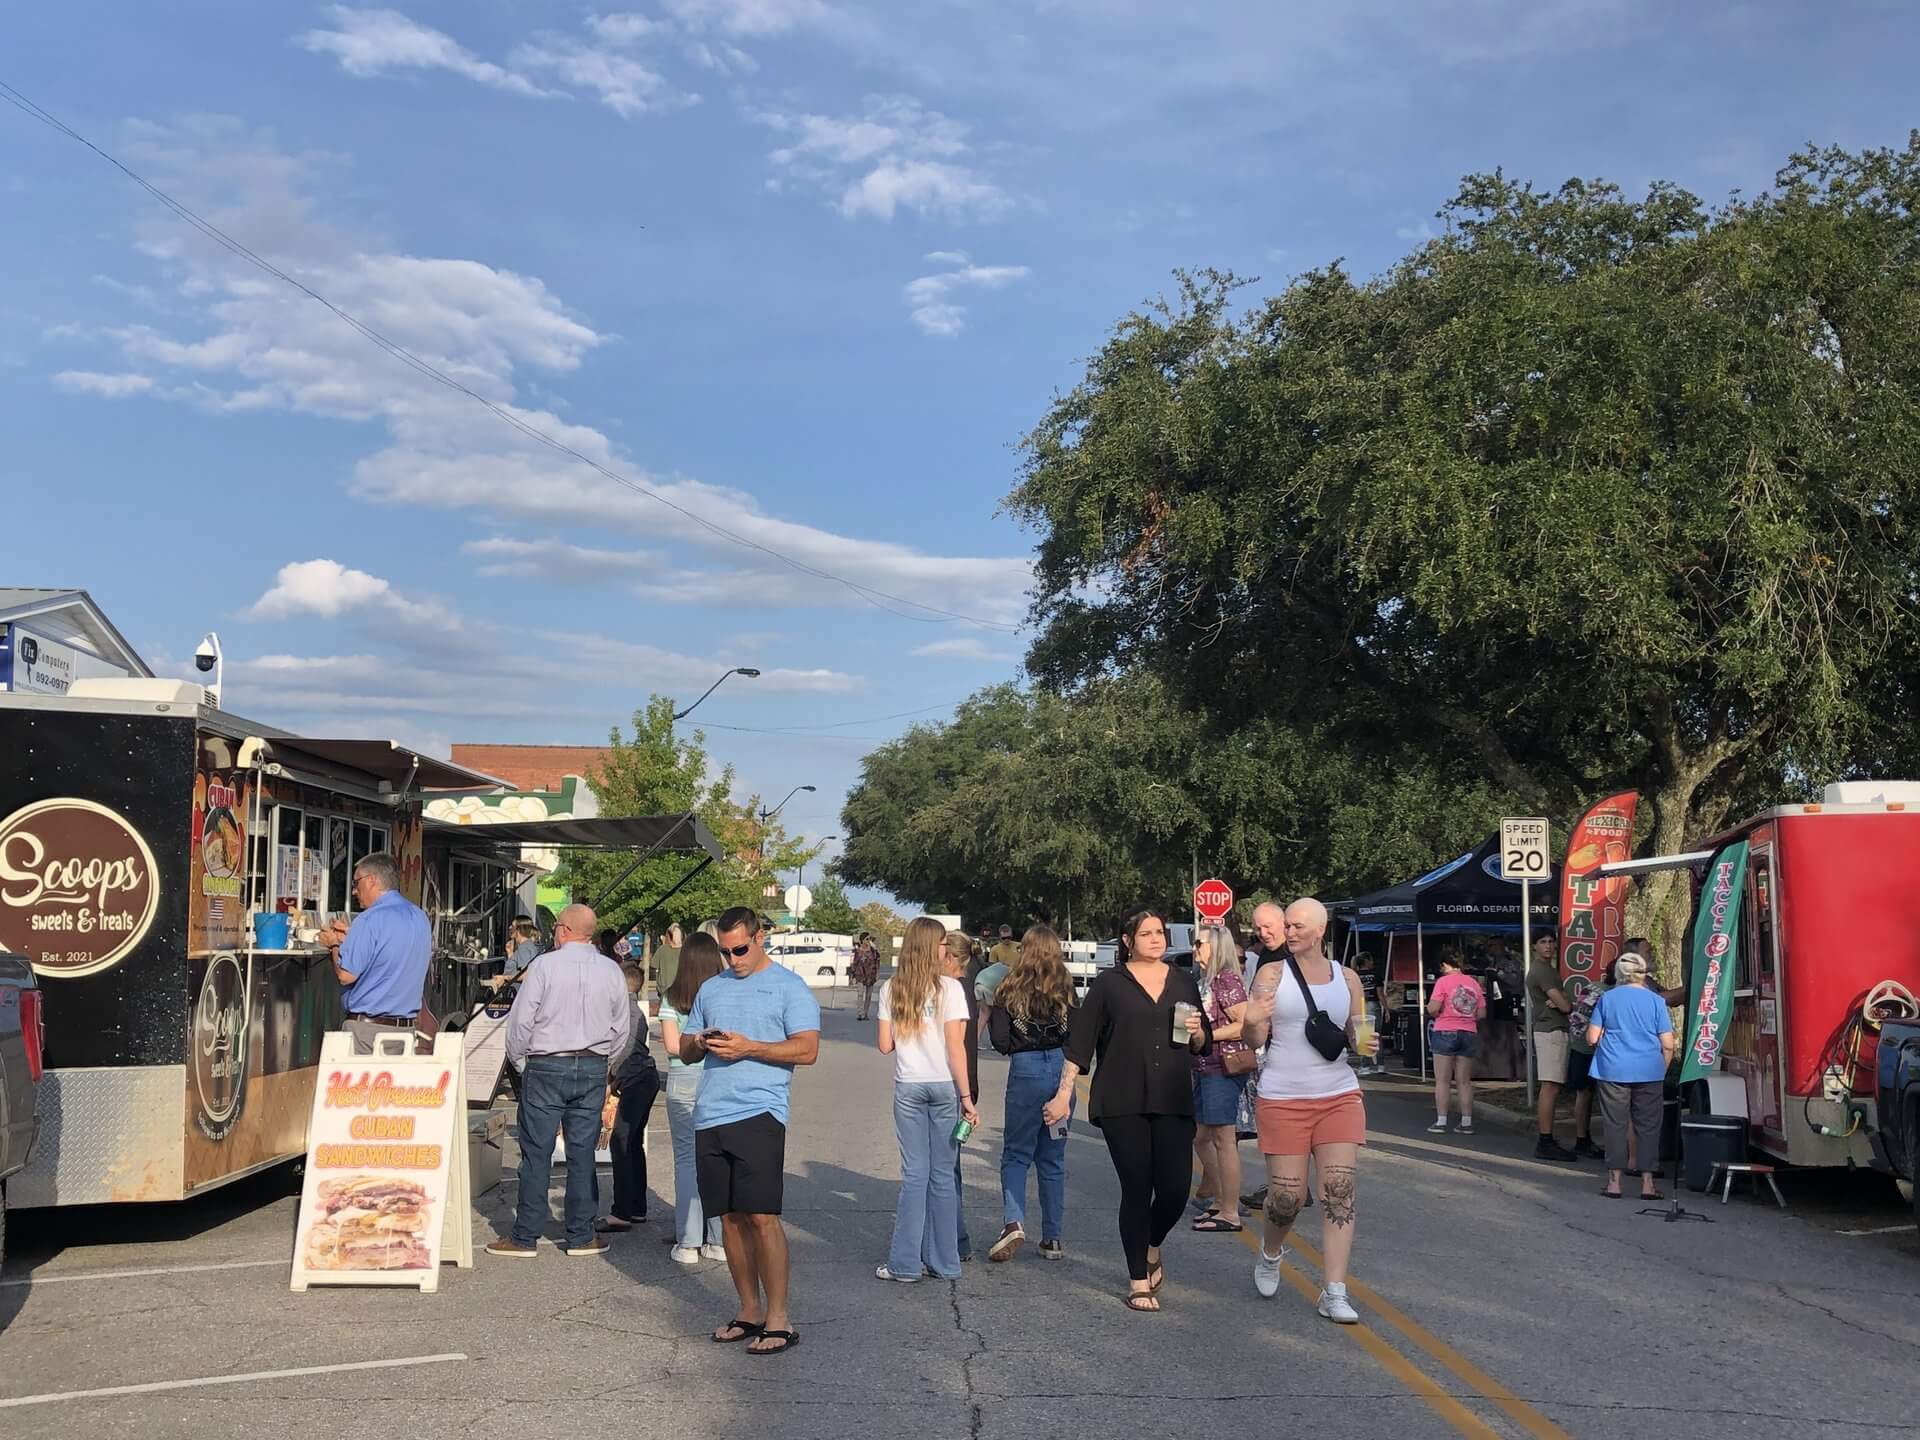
<point x="385" y="1201"/>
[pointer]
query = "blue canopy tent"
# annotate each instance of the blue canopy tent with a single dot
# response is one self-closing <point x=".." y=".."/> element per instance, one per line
<point x="1464" y="896"/>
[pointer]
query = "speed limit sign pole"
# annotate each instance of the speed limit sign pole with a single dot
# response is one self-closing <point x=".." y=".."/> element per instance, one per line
<point x="1523" y="857"/>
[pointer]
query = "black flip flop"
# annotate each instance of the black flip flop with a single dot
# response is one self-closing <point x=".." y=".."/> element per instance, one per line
<point x="747" y="1328"/>
<point x="787" y="1338"/>
<point x="1611" y="1195"/>
<point x="1212" y="1224"/>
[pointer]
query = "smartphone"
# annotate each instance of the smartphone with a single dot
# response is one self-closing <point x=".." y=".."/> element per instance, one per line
<point x="706" y="1035"/>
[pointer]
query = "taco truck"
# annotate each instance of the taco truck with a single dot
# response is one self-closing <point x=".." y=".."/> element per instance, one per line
<point x="165" y="868"/>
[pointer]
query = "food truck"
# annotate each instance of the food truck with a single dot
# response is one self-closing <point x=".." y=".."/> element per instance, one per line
<point x="1830" y="916"/>
<point x="166" y="868"/>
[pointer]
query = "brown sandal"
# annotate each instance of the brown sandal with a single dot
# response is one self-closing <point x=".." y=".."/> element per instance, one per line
<point x="1143" y="1302"/>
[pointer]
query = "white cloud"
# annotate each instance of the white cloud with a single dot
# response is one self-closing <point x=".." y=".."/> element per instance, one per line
<point x="929" y="296"/>
<point x="1421" y="233"/>
<point x="558" y="560"/>
<point x="748" y="19"/>
<point x="262" y="345"/>
<point x="92" y="382"/>
<point x="624" y="85"/>
<point x="369" y="43"/>
<point x="327" y="588"/>
<point x="964" y="647"/>
<point x="897" y="155"/>
<point x="372" y="42"/>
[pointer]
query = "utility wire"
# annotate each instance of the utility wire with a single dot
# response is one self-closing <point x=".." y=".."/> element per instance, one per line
<point x="879" y="599"/>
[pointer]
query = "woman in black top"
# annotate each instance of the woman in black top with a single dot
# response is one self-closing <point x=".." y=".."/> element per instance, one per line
<point x="1142" y="1091"/>
<point x="1028" y="1024"/>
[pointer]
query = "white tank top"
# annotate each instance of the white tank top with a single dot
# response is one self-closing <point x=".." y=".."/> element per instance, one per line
<point x="1294" y="1070"/>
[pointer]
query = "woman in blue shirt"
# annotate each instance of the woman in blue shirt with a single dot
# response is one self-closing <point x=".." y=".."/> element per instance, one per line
<point x="1633" y="1043"/>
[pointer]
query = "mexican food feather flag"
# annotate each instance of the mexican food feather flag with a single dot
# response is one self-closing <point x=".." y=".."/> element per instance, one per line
<point x="1710" y="955"/>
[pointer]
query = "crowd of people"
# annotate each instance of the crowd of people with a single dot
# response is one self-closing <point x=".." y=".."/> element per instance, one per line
<point x="1184" y="1061"/>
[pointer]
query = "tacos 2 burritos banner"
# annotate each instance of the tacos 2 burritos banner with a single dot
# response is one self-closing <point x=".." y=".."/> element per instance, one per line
<point x="1593" y="907"/>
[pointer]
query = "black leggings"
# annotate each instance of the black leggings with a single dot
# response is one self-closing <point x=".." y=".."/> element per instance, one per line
<point x="1153" y="1156"/>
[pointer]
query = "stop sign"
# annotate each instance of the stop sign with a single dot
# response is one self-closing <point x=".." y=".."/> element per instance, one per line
<point x="1212" y="899"/>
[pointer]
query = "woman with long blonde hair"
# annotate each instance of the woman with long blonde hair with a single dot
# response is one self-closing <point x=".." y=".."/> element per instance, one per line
<point x="923" y="1024"/>
<point x="1028" y="1024"/>
<point x="1216" y="1087"/>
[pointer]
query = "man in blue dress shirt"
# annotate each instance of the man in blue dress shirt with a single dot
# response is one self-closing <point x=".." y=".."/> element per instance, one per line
<point x="382" y="958"/>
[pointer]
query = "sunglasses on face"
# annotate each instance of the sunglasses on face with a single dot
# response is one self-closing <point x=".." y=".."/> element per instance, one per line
<point x="737" y="951"/>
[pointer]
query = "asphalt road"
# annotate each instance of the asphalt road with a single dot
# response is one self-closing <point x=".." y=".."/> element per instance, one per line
<point x="1501" y="1297"/>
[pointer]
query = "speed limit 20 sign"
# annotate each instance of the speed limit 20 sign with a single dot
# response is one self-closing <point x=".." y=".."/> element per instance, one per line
<point x="1523" y="850"/>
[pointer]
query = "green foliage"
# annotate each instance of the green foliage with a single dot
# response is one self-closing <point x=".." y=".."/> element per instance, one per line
<point x="831" y="911"/>
<point x="655" y="772"/>
<point x="1589" y="492"/>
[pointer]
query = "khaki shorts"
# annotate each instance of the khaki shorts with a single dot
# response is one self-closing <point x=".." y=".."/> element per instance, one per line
<point x="1550" y="1050"/>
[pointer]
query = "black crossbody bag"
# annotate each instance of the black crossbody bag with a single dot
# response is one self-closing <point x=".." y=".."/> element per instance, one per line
<point x="1325" y="1036"/>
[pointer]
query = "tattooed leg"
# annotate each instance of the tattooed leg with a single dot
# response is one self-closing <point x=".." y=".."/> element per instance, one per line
<point x="1336" y="1166"/>
<point x="1286" y="1195"/>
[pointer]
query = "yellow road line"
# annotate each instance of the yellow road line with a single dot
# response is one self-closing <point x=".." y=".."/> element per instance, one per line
<point x="1530" y="1420"/>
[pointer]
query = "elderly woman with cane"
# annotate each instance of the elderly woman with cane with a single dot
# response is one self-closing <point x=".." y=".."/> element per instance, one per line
<point x="1633" y="1043"/>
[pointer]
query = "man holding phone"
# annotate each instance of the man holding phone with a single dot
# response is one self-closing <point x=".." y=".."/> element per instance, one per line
<point x="752" y="1024"/>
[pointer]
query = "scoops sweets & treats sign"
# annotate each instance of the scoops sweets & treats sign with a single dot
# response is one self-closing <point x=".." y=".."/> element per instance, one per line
<point x="78" y="889"/>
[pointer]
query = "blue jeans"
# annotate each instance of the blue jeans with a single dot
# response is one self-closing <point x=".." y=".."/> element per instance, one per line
<point x="689" y="1229"/>
<point x="559" y="1093"/>
<point x="1033" y="1078"/>
<point x="926" y="1221"/>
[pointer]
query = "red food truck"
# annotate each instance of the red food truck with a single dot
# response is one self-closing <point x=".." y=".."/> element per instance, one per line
<point x="1831" y="915"/>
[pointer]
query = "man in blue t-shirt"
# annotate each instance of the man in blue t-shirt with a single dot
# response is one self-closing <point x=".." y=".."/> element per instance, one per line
<point x="750" y="1024"/>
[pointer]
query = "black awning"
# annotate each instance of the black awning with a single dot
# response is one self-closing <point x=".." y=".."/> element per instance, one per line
<point x="389" y="761"/>
<point x="627" y="832"/>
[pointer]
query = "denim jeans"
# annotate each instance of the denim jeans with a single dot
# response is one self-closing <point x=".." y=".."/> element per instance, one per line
<point x="559" y="1093"/>
<point x="926" y="1221"/>
<point x="1033" y="1078"/>
<point x="690" y="1229"/>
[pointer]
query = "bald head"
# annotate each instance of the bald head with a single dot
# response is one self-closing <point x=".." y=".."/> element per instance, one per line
<point x="578" y="921"/>
<point x="1306" y="926"/>
<point x="1270" y="924"/>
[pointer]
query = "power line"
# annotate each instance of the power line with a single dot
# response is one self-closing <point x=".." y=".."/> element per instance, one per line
<point x="879" y="599"/>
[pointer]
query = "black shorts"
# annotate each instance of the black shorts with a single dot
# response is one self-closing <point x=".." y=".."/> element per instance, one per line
<point x="741" y="1167"/>
<point x="1577" y="1067"/>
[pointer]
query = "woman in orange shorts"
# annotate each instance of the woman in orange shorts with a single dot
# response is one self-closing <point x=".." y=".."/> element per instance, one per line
<point x="1307" y="1105"/>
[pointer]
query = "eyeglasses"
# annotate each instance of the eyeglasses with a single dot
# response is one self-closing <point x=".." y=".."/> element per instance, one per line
<point x="736" y="951"/>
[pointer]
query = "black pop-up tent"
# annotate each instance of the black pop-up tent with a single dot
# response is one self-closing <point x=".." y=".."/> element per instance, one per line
<point x="1464" y="896"/>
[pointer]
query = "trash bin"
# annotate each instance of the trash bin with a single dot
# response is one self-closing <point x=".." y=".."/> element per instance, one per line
<point x="1709" y="1140"/>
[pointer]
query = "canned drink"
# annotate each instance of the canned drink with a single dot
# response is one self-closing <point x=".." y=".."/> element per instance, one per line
<point x="963" y="1131"/>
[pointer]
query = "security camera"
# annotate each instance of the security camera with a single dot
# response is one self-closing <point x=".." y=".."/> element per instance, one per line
<point x="204" y="658"/>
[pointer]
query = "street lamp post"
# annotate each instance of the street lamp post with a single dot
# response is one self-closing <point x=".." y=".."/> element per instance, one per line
<point x="760" y="847"/>
<point x="766" y="815"/>
<point x="743" y="670"/>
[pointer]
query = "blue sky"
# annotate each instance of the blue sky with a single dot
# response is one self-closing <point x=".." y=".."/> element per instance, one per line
<point x="807" y="267"/>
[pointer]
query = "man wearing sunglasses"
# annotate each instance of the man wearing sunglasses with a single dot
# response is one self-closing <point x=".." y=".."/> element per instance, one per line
<point x="751" y="1024"/>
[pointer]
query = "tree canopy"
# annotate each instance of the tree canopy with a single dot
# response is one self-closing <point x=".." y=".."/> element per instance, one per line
<point x="656" y="772"/>
<point x="1588" y="492"/>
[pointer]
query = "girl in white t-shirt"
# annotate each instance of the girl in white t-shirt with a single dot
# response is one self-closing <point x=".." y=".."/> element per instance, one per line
<point x="923" y="1025"/>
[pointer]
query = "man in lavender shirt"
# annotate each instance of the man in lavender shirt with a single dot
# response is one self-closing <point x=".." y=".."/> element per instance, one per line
<point x="570" y="1020"/>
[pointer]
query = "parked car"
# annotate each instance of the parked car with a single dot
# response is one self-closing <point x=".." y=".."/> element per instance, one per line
<point x="21" y="1040"/>
<point x="1895" y="1137"/>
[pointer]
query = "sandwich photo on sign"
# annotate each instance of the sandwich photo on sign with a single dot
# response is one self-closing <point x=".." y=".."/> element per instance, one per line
<point x="369" y="1222"/>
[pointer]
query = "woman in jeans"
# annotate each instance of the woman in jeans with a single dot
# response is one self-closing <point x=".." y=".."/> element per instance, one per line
<point x="1457" y="1005"/>
<point x="696" y="1236"/>
<point x="1633" y="1044"/>
<point x="1142" y="1093"/>
<point x="1028" y="1024"/>
<point x="1216" y="1094"/>
<point x="923" y="1024"/>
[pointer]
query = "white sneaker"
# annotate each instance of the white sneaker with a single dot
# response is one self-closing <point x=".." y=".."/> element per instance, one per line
<point x="713" y="1252"/>
<point x="686" y="1254"/>
<point x="883" y="1273"/>
<point x="1439" y="1127"/>
<point x="1336" y="1307"/>
<point x="1266" y="1272"/>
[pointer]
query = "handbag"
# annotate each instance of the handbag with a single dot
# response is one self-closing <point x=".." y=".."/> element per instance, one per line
<point x="1325" y="1036"/>
<point x="1243" y="1061"/>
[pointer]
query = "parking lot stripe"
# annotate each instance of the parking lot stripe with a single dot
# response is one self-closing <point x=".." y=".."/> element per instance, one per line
<point x="131" y="1274"/>
<point x="157" y="1385"/>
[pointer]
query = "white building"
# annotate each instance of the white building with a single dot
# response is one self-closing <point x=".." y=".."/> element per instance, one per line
<point x="50" y="638"/>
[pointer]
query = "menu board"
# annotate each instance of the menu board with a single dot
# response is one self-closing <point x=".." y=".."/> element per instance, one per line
<point x="386" y="1194"/>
